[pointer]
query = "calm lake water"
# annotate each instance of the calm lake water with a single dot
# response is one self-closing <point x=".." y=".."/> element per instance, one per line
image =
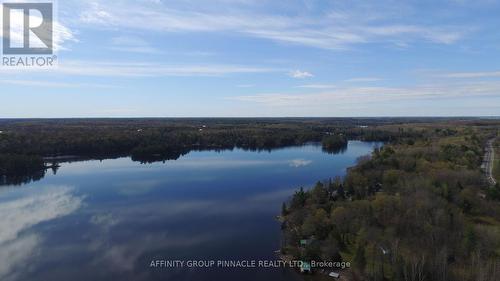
<point x="107" y="220"/>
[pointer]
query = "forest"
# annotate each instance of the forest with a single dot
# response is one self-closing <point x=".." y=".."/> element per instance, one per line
<point x="419" y="208"/>
<point x="29" y="147"/>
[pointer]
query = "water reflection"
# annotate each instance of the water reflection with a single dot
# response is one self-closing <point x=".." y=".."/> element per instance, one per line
<point x="17" y="243"/>
<point x="296" y="163"/>
<point x="22" y="179"/>
<point x="120" y="214"/>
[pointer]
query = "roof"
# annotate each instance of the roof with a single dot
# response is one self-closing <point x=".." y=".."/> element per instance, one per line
<point x="305" y="266"/>
<point x="334" y="274"/>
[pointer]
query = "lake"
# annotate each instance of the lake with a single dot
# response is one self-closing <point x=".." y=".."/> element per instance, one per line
<point x="107" y="220"/>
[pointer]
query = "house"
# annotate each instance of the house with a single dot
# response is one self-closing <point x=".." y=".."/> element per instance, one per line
<point x="334" y="274"/>
<point x="305" y="267"/>
<point x="384" y="251"/>
<point x="334" y="195"/>
<point x="305" y="242"/>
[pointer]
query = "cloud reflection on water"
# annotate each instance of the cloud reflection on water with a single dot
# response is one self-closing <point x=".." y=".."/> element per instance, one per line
<point x="17" y="244"/>
<point x="297" y="163"/>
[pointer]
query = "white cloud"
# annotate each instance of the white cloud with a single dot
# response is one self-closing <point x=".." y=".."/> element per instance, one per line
<point x="337" y="28"/>
<point x="62" y="34"/>
<point x="96" y="14"/>
<point x="144" y="69"/>
<point x="154" y="70"/>
<point x="370" y="95"/>
<point x="433" y="34"/>
<point x="317" y="86"/>
<point x="490" y="74"/>
<point x="300" y="74"/>
<point x="132" y="44"/>
<point x="363" y="79"/>
<point x="51" y="84"/>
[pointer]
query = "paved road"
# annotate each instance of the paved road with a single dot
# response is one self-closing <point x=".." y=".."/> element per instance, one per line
<point x="489" y="158"/>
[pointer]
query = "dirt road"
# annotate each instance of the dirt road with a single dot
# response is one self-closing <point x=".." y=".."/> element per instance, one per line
<point x="489" y="158"/>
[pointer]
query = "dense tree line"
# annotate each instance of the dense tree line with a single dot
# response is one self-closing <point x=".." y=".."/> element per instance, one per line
<point x="417" y="209"/>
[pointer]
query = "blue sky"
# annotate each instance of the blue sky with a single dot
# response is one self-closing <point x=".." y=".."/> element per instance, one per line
<point x="159" y="58"/>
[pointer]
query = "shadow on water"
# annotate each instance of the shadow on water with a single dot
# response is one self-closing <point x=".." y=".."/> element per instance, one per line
<point x="21" y="179"/>
<point x="335" y="150"/>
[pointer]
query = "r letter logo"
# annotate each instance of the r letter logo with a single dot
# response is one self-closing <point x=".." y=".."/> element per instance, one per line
<point x="30" y="27"/>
